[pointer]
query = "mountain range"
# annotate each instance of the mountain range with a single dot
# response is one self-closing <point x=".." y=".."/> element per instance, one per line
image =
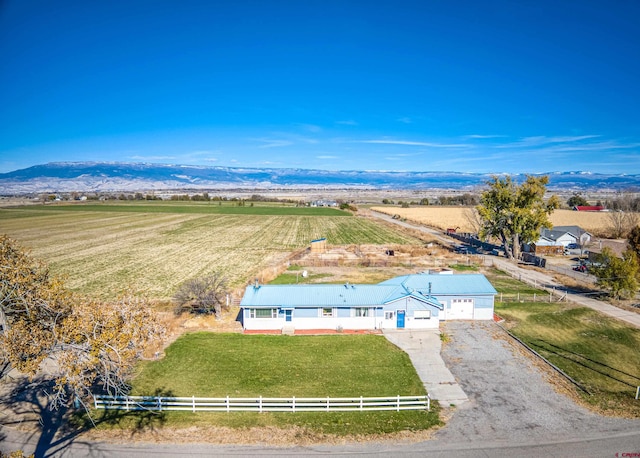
<point x="117" y="176"/>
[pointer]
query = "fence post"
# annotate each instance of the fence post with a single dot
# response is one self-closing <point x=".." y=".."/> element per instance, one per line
<point x="327" y="403"/>
<point x="638" y="393"/>
<point x="159" y="401"/>
<point x="126" y="400"/>
<point x="361" y="403"/>
<point x="428" y="402"/>
<point x="95" y="402"/>
<point x="294" y="403"/>
<point x="260" y="404"/>
<point x="227" y="403"/>
<point x="193" y="400"/>
<point x="398" y="404"/>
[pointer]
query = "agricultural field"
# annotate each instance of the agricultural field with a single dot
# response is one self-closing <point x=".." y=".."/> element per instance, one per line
<point x="106" y="249"/>
<point x="459" y="217"/>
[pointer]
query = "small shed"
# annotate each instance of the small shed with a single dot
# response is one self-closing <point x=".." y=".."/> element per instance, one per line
<point x="319" y="245"/>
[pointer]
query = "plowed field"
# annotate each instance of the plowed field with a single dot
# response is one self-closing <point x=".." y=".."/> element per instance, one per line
<point x="106" y="252"/>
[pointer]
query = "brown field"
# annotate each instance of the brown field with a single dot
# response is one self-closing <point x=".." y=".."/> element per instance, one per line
<point x="458" y="218"/>
<point x="107" y="253"/>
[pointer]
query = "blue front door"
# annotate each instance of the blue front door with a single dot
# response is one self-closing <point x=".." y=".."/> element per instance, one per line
<point x="400" y="319"/>
<point x="287" y="315"/>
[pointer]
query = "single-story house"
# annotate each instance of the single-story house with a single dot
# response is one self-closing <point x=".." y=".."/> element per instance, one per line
<point x="555" y="240"/>
<point x="416" y="301"/>
<point x="582" y="237"/>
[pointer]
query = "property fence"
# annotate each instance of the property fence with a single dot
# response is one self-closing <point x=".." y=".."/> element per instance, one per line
<point x="551" y="296"/>
<point x="260" y="404"/>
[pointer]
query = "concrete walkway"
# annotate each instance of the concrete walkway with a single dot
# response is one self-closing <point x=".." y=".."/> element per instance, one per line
<point x="423" y="348"/>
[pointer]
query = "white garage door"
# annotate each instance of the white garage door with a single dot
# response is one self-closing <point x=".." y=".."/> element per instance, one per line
<point x="461" y="309"/>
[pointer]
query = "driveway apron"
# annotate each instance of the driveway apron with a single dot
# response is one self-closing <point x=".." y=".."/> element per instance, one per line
<point x="423" y="348"/>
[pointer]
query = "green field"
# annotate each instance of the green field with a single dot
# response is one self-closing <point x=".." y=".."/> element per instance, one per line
<point x="600" y="353"/>
<point x="217" y="365"/>
<point x="212" y="208"/>
<point x="105" y="249"/>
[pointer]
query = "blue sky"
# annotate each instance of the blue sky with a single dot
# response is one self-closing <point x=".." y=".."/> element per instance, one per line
<point x="432" y="85"/>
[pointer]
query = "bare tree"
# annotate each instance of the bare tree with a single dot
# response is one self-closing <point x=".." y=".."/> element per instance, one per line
<point x="473" y="218"/>
<point x="623" y="216"/>
<point x="88" y="342"/>
<point x="202" y="295"/>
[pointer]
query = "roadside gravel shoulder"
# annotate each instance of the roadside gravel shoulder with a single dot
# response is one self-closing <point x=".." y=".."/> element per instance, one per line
<point x="511" y="397"/>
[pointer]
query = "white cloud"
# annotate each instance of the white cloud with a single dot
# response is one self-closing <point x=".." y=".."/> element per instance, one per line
<point x="479" y="136"/>
<point x="272" y="143"/>
<point x="405" y="120"/>
<point x="414" y="143"/>
<point x="349" y="122"/>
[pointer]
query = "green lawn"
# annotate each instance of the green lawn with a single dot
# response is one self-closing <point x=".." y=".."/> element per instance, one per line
<point x="217" y="365"/>
<point x="600" y="353"/>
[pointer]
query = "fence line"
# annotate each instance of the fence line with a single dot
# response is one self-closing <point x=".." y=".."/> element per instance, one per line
<point x="260" y="404"/>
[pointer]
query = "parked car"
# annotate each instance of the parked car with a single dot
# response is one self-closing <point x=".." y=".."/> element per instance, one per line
<point x="572" y="246"/>
<point x="580" y="268"/>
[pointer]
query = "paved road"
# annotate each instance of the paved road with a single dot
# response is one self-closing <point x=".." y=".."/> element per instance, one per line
<point x="531" y="276"/>
<point x="512" y="411"/>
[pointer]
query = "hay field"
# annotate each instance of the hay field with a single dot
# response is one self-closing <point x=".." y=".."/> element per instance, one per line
<point x="105" y="253"/>
<point x="456" y="217"/>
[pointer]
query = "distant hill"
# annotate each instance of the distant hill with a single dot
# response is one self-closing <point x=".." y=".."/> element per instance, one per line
<point x="107" y="176"/>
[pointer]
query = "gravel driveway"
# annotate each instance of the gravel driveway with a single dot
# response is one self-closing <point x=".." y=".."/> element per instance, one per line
<point x="510" y="398"/>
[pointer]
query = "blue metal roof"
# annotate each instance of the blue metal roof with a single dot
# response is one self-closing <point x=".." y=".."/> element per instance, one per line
<point x="423" y="287"/>
<point x="455" y="284"/>
<point x="317" y="295"/>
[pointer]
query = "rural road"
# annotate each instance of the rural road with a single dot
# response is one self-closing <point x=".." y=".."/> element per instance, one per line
<point x="511" y="410"/>
<point x="534" y="277"/>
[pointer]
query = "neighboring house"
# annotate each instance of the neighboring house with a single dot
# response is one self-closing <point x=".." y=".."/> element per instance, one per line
<point x="412" y="301"/>
<point x="582" y="237"/>
<point x="555" y="240"/>
<point x="324" y="203"/>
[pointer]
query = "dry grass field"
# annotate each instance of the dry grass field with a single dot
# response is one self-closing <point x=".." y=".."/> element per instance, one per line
<point x="458" y="217"/>
<point x="106" y="253"/>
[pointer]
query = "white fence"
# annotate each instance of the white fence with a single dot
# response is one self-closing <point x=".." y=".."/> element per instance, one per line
<point x="260" y="404"/>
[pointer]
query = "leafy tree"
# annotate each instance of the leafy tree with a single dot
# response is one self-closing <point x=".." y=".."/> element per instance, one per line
<point x="88" y="342"/>
<point x="577" y="200"/>
<point x="202" y="295"/>
<point x="634" y="240"/>
<point x="617" y="275"/>
<point x="514" y="213"/>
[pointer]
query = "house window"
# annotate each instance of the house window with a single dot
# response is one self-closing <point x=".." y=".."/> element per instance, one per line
<point x="361" y="312"/>
<point x="422" y="314"/>
<point x="263" y="313"/>
<point x="327" y="312"/>
<point x="462" y="301"/>
<point x="388" y="315"/>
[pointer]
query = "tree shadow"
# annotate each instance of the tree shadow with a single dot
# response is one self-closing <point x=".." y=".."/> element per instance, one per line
<point x="26" y="404"/>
